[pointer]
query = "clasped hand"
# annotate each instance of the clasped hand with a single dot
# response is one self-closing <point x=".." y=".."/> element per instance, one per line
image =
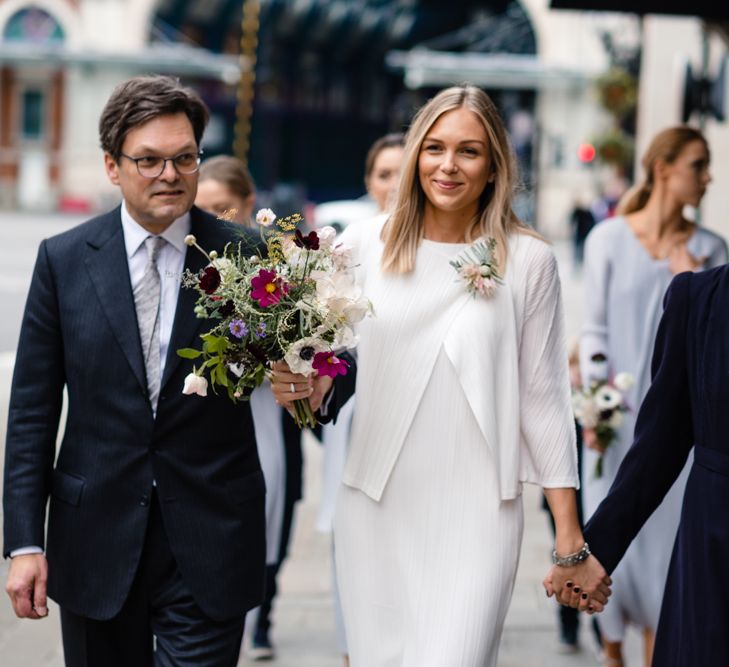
<point x="585" y="586"/>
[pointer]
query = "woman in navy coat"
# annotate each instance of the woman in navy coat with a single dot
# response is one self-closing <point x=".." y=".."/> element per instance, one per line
<point x="687" y="406"/>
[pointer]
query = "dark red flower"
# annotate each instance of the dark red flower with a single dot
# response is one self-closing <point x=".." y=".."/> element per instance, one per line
<point x="227" y="308"/>
<point x="310" y="241"/>
<point x="209" y="280"/>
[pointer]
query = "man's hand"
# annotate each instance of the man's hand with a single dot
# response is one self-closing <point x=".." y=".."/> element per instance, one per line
<point x="26" y="585"/>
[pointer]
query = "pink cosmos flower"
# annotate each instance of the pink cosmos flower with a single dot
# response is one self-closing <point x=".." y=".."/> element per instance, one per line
<point x="326" y="363"/>
<point x="268" y="288"/>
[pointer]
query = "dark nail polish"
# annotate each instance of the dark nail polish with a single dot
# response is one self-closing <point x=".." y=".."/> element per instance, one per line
<point x="584" y="596"/>
<point x="590" y="608"/>
<point x="577" y="589"/>
<point x="569" y="584"/>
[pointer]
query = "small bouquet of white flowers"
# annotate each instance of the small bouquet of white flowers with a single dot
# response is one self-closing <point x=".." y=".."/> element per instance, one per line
<point x="297" y="304"/>
<point x="600" y="406"/>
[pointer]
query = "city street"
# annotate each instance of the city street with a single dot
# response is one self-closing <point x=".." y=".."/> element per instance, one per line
<point x="303" y="621"/>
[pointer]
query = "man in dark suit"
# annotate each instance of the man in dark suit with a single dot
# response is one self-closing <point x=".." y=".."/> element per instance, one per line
<point x="156" y="516"/>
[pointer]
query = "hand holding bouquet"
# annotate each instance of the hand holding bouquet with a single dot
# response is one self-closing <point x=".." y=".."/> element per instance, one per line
<point x="599" y="406"/>
<point x="298" y="304"/>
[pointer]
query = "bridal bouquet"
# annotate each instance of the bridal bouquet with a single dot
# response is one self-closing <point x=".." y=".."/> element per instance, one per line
<point x="297" y="304"/>
<point x="600" y="406"/>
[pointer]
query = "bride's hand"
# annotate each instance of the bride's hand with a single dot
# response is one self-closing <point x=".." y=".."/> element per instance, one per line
<point x="288" y="386"/>
<point x="585" y="586"/>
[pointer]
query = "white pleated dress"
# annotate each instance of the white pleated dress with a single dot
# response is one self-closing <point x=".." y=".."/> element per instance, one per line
<point x="426" y="561"/>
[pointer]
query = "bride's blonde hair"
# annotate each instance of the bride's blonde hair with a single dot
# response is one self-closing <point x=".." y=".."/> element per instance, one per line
<point x="495" y="218"/>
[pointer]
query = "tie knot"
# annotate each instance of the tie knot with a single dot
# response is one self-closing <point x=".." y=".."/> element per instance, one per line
<point x="154" y="245"/>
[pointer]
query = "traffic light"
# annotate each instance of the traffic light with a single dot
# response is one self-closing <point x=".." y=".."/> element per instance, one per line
<point x="586" y="153"/>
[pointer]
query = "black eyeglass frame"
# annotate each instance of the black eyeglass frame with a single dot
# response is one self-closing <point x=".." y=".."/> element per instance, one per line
<point x="165" y="160"/>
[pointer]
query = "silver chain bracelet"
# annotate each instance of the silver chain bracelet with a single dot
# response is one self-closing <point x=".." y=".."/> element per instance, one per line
<point x="571" y="559"/>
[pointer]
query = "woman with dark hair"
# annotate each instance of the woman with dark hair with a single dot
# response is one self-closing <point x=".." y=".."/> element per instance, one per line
<point x="462" y="395"/>
<point x="629" y="262"/>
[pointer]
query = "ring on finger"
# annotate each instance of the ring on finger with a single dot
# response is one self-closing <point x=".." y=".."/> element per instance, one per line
<point x="292" y="387"/>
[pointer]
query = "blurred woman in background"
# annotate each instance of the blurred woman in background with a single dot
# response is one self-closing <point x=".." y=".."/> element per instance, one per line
<point x="629" y="261"/>
<point x="226" y="186"/>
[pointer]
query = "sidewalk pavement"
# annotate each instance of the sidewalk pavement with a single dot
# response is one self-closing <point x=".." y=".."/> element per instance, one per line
<point x="303" y="630"/>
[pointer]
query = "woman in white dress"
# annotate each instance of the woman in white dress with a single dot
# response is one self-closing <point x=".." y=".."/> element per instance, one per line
<point x="461" y="397"/>
<point x="629" y="262"/>
<point x="382" y="173"/>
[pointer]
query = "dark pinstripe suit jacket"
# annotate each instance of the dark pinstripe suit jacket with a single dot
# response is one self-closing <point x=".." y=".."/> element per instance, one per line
<point x="80" y="332"/>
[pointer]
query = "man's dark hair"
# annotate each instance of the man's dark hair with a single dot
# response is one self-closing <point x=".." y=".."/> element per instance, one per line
<point x="143" y="98"/>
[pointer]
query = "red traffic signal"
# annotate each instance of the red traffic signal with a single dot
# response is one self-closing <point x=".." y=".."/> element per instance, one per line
<point x="586" y="153"/>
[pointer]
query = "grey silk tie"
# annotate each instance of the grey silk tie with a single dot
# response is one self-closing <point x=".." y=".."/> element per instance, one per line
<point x="147" y="299"/>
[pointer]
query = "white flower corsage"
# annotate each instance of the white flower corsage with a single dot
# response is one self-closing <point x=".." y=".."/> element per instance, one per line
<point x="477" y="266"/>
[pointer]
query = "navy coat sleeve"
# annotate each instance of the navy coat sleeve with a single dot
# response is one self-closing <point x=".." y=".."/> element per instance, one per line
<point x="34" y="413"/>
<point x="664" y="436"/>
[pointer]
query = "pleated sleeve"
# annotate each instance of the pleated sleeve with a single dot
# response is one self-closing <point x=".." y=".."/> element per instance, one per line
<point x="549" y="454"/>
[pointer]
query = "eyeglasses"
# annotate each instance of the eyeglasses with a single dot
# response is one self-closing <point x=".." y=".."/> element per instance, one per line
<point x="151" y="166"/>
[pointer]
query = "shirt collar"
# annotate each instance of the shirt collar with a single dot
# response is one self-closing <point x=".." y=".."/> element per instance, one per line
<point x="135" y="234"/>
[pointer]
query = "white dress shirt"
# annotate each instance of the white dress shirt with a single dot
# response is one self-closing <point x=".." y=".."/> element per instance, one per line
<point x="170" y="262"/>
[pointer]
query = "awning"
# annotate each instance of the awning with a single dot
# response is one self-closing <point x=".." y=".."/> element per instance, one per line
<point x="160" y="58"/>
<point x="423" y="67"/>
<point x="714" y="10"/>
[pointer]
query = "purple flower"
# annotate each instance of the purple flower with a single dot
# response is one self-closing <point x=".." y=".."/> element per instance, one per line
<point x="261" y="330"/>
<point x="238" y="328"/>
<point x="326" y="363"/>
<point x="267" y="288"/>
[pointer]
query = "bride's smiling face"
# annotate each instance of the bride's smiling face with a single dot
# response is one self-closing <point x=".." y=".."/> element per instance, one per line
<point x="454" y="164"/>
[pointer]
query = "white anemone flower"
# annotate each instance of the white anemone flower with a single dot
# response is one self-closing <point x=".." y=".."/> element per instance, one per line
<point x="608" y="398"/>
<point x="624" y="382"/>
<point x="300" y="355"/>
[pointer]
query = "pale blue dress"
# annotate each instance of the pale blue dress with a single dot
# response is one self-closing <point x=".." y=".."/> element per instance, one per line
<point x="624" y="303"/>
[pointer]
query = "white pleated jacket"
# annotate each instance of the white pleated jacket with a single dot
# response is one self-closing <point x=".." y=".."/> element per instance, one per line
<point x="508" y="351"/>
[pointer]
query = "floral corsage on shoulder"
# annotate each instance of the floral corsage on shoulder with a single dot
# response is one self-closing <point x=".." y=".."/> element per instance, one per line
<point x="478" y="268"/>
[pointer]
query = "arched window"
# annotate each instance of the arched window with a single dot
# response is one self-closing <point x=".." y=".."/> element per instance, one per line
<point x="33" y="25"/>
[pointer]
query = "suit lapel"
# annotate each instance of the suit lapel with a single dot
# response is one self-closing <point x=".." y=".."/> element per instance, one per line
<point x="106" y="262"/>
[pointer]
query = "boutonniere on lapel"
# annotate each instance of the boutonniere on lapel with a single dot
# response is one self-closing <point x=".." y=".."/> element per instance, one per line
<point x="478" y="268"/>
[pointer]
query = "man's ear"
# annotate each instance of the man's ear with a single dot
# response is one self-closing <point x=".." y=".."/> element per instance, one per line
<point x="112" y="168"/>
